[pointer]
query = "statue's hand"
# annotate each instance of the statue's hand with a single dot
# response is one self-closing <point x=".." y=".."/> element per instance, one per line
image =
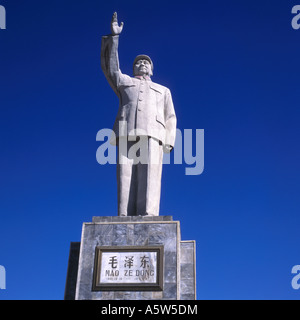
<point x="115" y="28"/>
<point x="167" y="148"/>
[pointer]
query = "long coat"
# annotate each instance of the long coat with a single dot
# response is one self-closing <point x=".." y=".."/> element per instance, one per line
<point x="145" y="107"/>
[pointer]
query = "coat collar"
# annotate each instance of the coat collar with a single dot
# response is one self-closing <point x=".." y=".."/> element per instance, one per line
<point x="143" y="77"/>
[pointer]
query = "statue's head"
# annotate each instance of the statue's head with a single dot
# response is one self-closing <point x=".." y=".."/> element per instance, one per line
<point x="142" y="65"/>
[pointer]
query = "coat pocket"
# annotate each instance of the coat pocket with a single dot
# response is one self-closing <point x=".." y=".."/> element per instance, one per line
<point x="156" y="89"/>
<point x="160" y="119"/>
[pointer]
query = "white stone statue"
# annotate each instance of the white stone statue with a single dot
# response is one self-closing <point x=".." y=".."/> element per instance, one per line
<point x="145" y="122"/>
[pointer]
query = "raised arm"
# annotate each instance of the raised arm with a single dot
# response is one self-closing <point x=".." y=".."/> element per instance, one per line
<point x="109" y="54"/>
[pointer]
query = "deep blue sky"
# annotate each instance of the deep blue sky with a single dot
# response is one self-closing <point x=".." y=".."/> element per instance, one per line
<point x="233" y="70"/>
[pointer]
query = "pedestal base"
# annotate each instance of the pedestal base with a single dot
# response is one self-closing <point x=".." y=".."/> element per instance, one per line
<point x="131" y="258"/>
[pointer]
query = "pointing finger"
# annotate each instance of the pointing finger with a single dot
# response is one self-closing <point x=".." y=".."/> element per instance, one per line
<point x="115" y="17"/>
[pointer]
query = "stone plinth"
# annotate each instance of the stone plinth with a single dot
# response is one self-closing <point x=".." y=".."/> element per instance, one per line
<point x="175" y="267"/>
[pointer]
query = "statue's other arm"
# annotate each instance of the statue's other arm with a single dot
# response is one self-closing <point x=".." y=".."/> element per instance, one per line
<point x="170" y="123"/>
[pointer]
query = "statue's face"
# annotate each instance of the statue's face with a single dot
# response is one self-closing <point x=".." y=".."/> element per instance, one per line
<point x="142" y="67"/>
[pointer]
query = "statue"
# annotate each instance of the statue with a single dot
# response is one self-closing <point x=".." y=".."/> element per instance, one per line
<point x="145" y="123"/>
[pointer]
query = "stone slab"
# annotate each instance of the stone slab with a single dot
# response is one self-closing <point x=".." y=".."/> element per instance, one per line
<point x="179" y="276"/>
<point x="187" y="270"/>
<point x="143" y="233"/>
<point x="132" y="218"/>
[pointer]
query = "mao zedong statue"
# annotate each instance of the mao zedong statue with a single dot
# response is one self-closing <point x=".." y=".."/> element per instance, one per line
<point x="144" y="129"/>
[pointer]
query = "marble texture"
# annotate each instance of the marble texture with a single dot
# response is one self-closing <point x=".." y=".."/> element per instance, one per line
<point x="187" y="270"/>
<point x="179" y="276"/>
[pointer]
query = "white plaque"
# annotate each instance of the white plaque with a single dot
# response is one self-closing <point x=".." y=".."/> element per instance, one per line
<point x="128" y="267"/>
